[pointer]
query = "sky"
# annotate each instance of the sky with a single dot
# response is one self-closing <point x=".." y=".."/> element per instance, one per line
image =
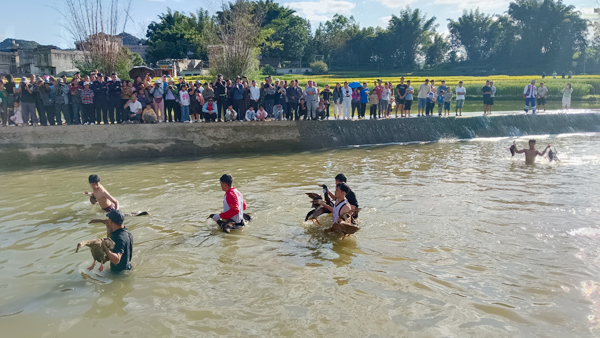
<point x="42" y="21"/>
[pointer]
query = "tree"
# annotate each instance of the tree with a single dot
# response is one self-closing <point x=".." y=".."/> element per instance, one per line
<point x="178" y="36"/>
<point x="474" y="32"/>
<point x="436" y="51"/>
<point x="319" y="67"/>
<point x="239" y="32"/>
<point x="407" y="36"/>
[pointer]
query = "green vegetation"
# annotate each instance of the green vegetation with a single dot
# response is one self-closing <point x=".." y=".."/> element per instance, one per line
<point x="319" y="67"/>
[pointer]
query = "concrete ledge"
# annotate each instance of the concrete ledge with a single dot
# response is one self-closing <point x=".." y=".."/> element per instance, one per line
<point x="85" y="144"/>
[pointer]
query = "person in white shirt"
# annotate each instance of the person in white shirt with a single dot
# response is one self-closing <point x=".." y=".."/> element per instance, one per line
<point x="135" y="109"/>
<point x="461" y="92"/>
<point x="346" y="101"/>
<point x="542" y="93"/>
<point x="385" y="100"/>
<point x="254" y="95"/>
<point x="184" y="103"/>
<point x="566" y="100"/>
<point x="250" y="114"/>
<point x="230" y="114"/>
<point x="529" y="93"/>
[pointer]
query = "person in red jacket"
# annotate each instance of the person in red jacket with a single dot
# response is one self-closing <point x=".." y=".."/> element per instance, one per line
<point x="233" y="205"/>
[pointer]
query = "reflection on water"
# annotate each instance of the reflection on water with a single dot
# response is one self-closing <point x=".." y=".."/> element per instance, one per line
<point x="457" y="240"/>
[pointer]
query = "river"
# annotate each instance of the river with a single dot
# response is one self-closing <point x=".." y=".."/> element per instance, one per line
<point x="458" y="239"/>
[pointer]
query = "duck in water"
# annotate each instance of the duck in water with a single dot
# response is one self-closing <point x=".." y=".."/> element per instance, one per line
<point x="97" y="252"/>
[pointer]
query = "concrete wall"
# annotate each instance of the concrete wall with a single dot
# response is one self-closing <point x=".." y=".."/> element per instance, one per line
<point x="91" y="144"/>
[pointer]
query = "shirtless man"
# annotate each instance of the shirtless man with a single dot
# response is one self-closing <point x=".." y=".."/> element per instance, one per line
<point x="106" y="201"/>
<point x="531" y="153"/>
<point x="341" y="205"/>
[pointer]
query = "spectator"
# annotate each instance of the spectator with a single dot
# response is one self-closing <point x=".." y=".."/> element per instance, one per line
<point x="293" y="94"/>
<point x="566" y="99"/>
<point x="408" y="99"/>
<point x="337" y="97"/>
<point x="400" y="97"/>
<point x="254" y="95"/>
<point x="251" y="114"/>
<point x="184" y="103"/>
<point x="135" y="109"/>
<point x="424" y="89"/>
<point x="492" y="95"/>
<point x="210" y="110"/>
<point x="238" y="94"/>
<point x="17" y="115"/>
<point x="247" y="101"/>
<point x="346" y="101"/>
<point x="100" y="100"/>
<point x="379" y="91"/>
<point x="487" y="92"/>
<point x="440" y="100"/>
<point x="114" y="99"/>
<point x="75" y="99"/>
<point x="282" y="96"/>
<point x="385" y="100"/>
<point x="47" y="107"/>
<point x="11" y="88"/>
<point x="321" y="110"/>
<point x="430" y="103"/>
<point x="364" y="99"/>
<point x="261" y="114"/>
<point x="87" y="100"/>
<point x="171" y="96"/>
<point x="327" y="95"/>
<point x="541" y="95"/>
<point x="355" y="102"/>
<point x="270" y="92"/>
<point x="143" y="96"/>
<point x="60" y="91"/>
<point x="196" y="103"/>
<point x="374" y="103"/>
<point x="312" y="101"/>
<point x="447" y="101"/>
<point x="27" y="105"/>
<point x="125" y="96"/>
<point x="302" y="110"/>
<point x="208" y="92"/>
<point x="461" y="93"/>
<point x="148" y="115"/>
<point x="529" y="93"/>
<point x="3" y="103"/>
<point x="230" y="114"/>
<point x="278" y="111"/>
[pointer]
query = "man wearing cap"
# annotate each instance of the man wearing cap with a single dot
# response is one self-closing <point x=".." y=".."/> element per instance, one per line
<point x="28" y="95"/>
<point x="120" y="255"/>
<point x="60" y="92"/>
<point x="114" y="99"/>
<point x="100" y="99"/>
<point x="233" y="205"/>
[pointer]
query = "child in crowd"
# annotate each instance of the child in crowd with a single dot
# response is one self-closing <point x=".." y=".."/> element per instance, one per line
<point x="250" y="114"/>
<point x="87" y="100"/>
<point x="197" y="101"/>
<point x="148" y="115"/>
<point x="447" y="101"/>
<point x="302" y="110"/>
<point x="374" y="102"/>
<point x="408" y="99"/>
<point x="184" y="103"/>
<point x="230" y="114"/>
<point x="430" y="103"/>
<point x="278" y="112"/>
<point x="321" y="110"/>
<point x="17" y="117"/>
<point x="261" y="114"/>
<point x="141" y="95"/>
<point x="440" y="100"/>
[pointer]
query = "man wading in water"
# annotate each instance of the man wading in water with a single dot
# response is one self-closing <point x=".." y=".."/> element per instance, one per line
<point x="233" y="205"/>
<point x="106" y="201"/>
<point x="531" y="153"/>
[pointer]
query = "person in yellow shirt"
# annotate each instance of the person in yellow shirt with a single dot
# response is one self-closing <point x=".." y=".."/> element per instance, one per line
<point x="374" y="102"/>
<point x="148" y="115"/>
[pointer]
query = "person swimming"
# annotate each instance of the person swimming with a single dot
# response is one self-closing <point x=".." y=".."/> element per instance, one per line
<point x="104" y="199"/>
<point x="531" y="153"/>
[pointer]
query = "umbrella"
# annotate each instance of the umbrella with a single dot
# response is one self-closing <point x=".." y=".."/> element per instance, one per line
<point x="140" y="71"/>
<point x="355" y="85"/>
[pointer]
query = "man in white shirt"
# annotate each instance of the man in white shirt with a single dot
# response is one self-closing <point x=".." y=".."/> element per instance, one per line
<point x="461" y="92"/>
<point x="312" y="101"/>
<point x="424" y="89"/>
<point x="542" y="93"/>
<point x="346" y="101"/>
<point x="135" y="109"/>
<point x="529" y="93"/>
<point x="254" y="95"/>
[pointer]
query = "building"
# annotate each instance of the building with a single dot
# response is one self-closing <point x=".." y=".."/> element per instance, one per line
<point x="140" y="49"/>
<point x="296" y="70"/>
<point x="181" y="67"/>
<point x="51" y="61"/>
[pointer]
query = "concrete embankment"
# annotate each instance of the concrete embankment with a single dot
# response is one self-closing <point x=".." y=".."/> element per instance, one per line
<point x="85" y="144"/>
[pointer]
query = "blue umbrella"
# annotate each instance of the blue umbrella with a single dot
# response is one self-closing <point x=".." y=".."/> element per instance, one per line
<point x="355" y="85"/>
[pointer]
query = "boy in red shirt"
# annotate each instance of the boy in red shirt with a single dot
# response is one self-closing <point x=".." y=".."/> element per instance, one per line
<point x="233" y="205"/>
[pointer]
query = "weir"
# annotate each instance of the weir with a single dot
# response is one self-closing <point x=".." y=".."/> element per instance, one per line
<point x="85" y="144"/>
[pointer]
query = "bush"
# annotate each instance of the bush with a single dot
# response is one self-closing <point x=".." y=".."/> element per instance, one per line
<point x="319" y="67"/>
<point x="269" y="70"/>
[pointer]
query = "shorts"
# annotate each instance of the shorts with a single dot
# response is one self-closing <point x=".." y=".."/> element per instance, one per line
<point x="460" y="103"/>
<point x="491" y="101"/>
<point x="487" y="101"/>
<point x="422" y="103"/>
<point x="399" y="100"/>
<point x="446" y="105"/>
<point x="542" y="101"/>
<point x="109" y="209"/>
<point x="407" y="104"/>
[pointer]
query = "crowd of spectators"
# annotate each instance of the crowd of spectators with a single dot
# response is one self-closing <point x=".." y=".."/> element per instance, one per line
<point x="96" y="99"/>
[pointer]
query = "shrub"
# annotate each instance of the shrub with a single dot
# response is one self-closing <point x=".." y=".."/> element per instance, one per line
<point x="319" y="67"/>
<point x="269" y="70"/>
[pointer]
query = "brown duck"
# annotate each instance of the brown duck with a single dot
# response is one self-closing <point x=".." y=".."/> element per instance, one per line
<point x="318" y="208"/>
<point x="97" y="251"/>
<point x="228" y="224"/>
<point x="345" y="224"/>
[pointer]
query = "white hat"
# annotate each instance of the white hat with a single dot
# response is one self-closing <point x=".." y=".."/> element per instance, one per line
<point x="24" y="79"/>
<point x="86" y="83"/>
<point x="157" y="82"/>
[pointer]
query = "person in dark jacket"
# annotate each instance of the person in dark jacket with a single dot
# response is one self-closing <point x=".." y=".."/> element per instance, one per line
<point x="100" y="89"/>
<point x="114" y="99"/>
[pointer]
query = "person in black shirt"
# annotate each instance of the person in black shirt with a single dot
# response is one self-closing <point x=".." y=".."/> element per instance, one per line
<point x="220" y="88"/>
<point x="100" y="99"/>
<point x="120" y="255"/>
<point x="400" y="95"/>
<point x="114" y="99"/>
<point x="327" y="94"/>
<point x="350" y="196"/>
<point x="487" y="95"/>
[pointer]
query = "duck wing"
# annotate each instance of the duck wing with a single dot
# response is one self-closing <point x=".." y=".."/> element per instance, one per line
<point x="314" y="196"/>
<point x="247" y="217"/>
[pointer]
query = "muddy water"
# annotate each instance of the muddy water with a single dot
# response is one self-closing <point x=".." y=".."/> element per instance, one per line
<point x="457" y="240"/>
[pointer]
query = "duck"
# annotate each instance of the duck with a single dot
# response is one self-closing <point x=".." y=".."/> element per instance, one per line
<point x="318" y="209"/>
<point x="345" y="224"/>
<point x="97" y="251"/>
<point x="228" y="224"/>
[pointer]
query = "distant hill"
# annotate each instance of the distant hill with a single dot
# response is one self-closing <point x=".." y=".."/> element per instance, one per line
<point x="25" y="44"/>
<point x="129" y="39"/>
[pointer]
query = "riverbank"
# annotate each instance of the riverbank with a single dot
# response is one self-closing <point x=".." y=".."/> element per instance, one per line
<point x="94" y="144"/>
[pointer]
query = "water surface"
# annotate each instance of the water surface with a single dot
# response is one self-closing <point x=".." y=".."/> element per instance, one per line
<point x="457" y="240"/>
